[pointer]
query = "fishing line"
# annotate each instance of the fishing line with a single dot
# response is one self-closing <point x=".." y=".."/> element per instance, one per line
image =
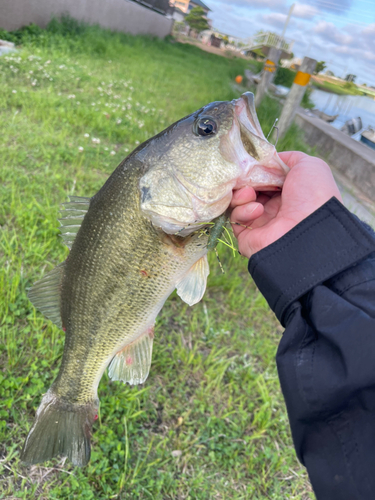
<point x="277" y="131"/>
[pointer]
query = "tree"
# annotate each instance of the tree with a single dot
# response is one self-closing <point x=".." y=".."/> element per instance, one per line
<point x="196" y="20"/>
<point x="225" y="39"/>
<point x="320" y="66"/>
<point x="350" y="78"/>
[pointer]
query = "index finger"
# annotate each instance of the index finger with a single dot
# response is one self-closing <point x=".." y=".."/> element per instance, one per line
<point x="291" y="158"/>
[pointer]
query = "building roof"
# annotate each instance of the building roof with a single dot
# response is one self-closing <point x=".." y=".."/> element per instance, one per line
<point x="180" y="11"/>
<point x="199" y="4"/>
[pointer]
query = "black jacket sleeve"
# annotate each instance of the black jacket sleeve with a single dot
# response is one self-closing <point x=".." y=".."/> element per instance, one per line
<point x="319" y="279"/>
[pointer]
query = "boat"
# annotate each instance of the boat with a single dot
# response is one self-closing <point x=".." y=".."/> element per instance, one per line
<point x="324" y="116"/>
<point x="352" y="126"/>
<point x="368" y="137"/>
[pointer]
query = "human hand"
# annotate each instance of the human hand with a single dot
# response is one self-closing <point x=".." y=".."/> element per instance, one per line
<point x="308" y="185"/>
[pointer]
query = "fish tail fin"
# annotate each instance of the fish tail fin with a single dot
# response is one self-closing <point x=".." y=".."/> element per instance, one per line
<point x="60" y="429"/>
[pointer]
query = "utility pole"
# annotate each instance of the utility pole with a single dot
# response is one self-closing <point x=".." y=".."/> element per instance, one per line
<point x="296" y="94"/>
<point x="286" y="23"/>
<point x="271" y="64"/>
<point x="268" y="74"/>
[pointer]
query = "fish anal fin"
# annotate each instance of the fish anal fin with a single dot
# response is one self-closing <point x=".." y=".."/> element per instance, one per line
<point x="132" y="363"/>
<point x="45" y="294"/>
<point x="71" y="218"/>
<point x="192" y="286"/>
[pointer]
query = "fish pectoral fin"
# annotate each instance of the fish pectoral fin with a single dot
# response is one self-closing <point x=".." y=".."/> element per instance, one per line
<point x="192" y="286"/>
<point x="72" y="217"/>
<point x="45" y="294"/>
<point x="132" y="363"/>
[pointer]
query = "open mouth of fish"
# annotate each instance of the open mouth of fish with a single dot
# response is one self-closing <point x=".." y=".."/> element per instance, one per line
<point x="260" y="164"/>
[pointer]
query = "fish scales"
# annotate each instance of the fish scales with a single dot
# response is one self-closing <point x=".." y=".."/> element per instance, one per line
<point x="145" y="233"/>
<point x="116" y="245"/>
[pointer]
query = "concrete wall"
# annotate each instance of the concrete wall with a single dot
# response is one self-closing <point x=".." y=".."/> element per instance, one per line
<point x="351" y="158"/>
<point x="118" y="15"/>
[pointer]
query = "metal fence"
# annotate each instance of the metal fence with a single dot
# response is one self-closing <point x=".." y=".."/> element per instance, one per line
<point x="269" y="39"/>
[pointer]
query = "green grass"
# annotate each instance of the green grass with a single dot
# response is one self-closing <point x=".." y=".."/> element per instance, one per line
<point x="337" y="89"/>
<point x="210" y="422"/>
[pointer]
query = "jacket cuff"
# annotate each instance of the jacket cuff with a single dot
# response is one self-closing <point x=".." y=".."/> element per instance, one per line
<point x="328" y="241"/>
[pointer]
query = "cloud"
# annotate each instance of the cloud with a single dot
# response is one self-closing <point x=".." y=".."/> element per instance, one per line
<point x="368" y="34"/>
<point x="304" y="11"/>
<point x="328" y="31"/>
<point x="274" y="19"/>
<point x="264" y="4"/>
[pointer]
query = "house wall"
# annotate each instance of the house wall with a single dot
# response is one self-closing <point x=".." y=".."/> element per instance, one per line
<point x="118" y="15"/>
<point x="181" y="4"/>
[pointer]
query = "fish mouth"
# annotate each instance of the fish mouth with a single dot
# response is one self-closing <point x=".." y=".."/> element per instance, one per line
<point x="262" y="168"/>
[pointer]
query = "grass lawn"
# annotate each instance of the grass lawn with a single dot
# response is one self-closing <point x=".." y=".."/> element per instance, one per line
<point x="210" y="421"/>
<point x="336" y="88"/>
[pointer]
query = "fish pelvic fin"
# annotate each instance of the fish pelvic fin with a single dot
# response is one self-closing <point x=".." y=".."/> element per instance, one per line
<point x="45" y="294"/>
<point x="192" y="286"/>
<point x="60" y="429"/>
<point x="132" y="363"/>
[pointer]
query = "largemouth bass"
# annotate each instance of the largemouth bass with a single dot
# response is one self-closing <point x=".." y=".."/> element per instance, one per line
<point x="132" y="244"/>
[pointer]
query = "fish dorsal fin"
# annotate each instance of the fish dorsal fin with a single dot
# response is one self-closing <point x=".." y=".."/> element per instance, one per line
<point x="45" y="294"/>
<point x="192" y="286"/>
<point x="72" y="217"/>
<point x="132" y="363"/>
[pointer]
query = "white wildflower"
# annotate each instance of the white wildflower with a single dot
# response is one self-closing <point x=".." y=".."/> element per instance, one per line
<point x="137" y="142"/>
<point x="14" y="91"/>
<point x="119" y="121"/>
<point x="71" y="96"/>
<point x="112" y="153"/>
<point x="95" y="140"/>
<point x="80" y="149"/>
<point x="86" y="135"/>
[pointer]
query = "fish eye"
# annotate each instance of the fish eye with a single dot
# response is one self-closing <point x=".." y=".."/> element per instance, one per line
<point x="205" y="126"/>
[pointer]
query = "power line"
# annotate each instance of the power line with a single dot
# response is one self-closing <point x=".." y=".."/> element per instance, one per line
<point x="337" y="4"/>
<point x="322" y="3"/>
<point x="347" y="21"/>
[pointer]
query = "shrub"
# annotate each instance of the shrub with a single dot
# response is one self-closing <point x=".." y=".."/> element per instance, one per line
<point x="284" y="76"/>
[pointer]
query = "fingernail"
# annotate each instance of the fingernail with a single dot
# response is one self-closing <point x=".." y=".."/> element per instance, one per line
<point x="250" y="210"/>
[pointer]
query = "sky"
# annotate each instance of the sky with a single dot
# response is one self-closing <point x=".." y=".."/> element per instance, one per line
<point x="339" y="32"/>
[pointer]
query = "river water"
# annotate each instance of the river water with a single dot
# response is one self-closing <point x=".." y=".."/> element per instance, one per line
<point x="347" y="107"/>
